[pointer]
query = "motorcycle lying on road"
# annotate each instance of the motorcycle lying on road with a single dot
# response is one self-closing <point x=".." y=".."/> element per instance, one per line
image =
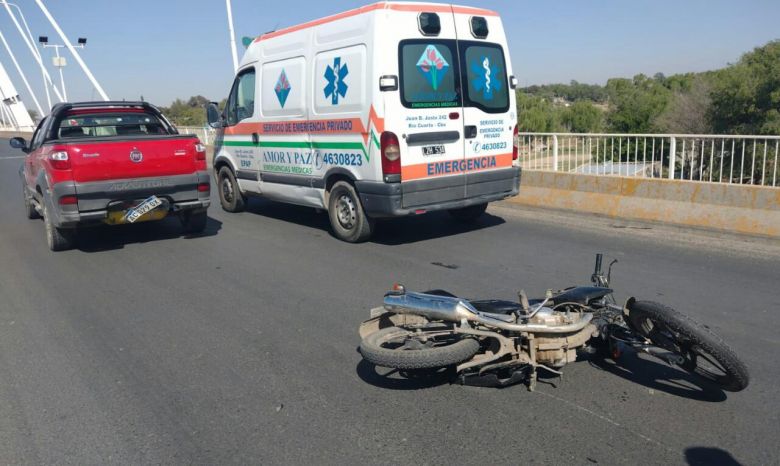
<point x="498" y="343"/>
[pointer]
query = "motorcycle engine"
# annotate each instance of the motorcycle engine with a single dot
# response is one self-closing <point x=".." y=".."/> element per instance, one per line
<point x="558" y="349"/>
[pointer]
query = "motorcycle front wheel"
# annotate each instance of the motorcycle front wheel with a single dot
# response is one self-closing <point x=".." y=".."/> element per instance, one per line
<point x="417" y="348"/>
<point x="704" y="353"/>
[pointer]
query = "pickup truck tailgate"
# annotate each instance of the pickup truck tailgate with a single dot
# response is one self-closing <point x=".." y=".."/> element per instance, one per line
<point x="117" y="160"/>
<point x="120" y="170"/>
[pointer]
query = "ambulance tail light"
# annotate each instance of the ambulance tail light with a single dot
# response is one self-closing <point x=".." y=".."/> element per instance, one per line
<point x="391" y="154"/>
<point x="515" y="151"/>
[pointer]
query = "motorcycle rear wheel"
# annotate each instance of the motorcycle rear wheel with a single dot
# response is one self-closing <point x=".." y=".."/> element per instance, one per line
<point x="430" y="347"/>
<point x="704" y="353"/>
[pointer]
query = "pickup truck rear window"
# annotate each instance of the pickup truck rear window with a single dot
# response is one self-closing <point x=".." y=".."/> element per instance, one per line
<point x="101" y="125"/>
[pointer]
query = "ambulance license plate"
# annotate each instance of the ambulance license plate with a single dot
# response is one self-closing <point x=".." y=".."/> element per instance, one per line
<point x="144" y="207"/>
<point x="433" y="150"/>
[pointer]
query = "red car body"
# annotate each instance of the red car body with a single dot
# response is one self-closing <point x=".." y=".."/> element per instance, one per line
<point x="90" y="163"/>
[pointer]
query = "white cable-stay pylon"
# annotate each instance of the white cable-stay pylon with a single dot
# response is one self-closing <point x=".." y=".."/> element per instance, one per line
<point x="72" y="50"/>
<point x="12" y="103"/>
<point x="37" y="53"/>
<point x="21" y="73"/>
<point x="232" y="35"/>
<point x="33" y="50"/>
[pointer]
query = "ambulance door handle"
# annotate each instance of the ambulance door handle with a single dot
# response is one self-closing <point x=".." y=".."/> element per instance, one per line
<point x="470" y="131"/>
<point x="255" y="138"/>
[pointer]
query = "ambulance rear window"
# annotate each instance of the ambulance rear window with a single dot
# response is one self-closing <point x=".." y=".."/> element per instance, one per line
<point x="485" y="71"/>
<point x="430" y="76"/>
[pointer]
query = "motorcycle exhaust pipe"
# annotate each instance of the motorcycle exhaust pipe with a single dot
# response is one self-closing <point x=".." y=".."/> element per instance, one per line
<point x="434" y="307"/>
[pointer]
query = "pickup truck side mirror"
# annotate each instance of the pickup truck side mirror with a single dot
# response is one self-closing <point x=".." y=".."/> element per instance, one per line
<point x="20" y="143"/>
<point x="213" y="115"/>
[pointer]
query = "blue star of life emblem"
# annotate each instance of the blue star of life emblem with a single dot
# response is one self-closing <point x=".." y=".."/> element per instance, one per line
<point x="487" y="78"/>
<point x="282" y="88"/>
<point x="335" y="76"/>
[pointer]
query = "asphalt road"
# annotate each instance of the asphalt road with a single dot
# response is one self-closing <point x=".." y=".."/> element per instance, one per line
<point x="239" y="346"/>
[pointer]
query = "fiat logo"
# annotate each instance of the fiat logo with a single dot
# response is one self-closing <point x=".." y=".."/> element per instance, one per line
<point x="136" y="155"/>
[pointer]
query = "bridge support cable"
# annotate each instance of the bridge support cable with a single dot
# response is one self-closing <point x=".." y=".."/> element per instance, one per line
<point x="34" y="51"/>
<point x="73" y="50"/>
<point x="21" y="73"/>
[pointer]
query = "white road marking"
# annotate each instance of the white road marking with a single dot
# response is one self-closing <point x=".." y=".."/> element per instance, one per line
<point x="14" y="157"/>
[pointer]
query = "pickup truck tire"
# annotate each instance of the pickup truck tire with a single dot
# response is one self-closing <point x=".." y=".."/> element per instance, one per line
<point x="229" y="193"/>
<point x="29" y="206"/>
<point x="193" y="222"/>
<point x="58" y="239"/>
<point x="468" y="214"/>
<point x="347" y="217"/>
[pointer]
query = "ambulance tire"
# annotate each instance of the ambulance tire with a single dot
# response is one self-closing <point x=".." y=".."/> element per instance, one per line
<point x="229" y="193"/>
<point x="348" y="220"/>
<point x="469" y="214"/>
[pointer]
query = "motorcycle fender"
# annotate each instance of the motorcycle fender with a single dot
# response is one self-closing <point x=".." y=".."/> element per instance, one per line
<point x="388" y="319"/>
<point x="629" y="302"/>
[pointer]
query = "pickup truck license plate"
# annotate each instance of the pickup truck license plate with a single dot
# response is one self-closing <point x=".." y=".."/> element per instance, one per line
<point x="144" y="207"/>
<point x="433" y="150"/>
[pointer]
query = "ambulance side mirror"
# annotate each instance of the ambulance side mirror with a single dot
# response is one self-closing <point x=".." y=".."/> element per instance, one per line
<point x="213" y="116"/>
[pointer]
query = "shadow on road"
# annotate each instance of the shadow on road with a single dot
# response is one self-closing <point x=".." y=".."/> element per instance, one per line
<point x="659" y="376"/>
<point x="389" y="232"/>
<point x="109" y="238"/>
<point x="706" y="456"/>
<point x="394" y="379"/>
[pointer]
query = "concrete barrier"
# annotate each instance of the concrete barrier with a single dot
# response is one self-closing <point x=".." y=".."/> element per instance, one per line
<point x="753" y="210"/>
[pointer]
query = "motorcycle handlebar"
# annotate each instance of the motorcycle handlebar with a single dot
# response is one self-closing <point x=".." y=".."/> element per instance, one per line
<point x="597" y="270"/>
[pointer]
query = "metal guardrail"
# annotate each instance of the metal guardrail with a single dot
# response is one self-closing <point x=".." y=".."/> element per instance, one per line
<point x="205" y="134"/>
<point x="711" y="158"/>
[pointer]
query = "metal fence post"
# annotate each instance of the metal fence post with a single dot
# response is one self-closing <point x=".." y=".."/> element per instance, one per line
<point x="672" y="156"/>
<point x="555" y="153"/>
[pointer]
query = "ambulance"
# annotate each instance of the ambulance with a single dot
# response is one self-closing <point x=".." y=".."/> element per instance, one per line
<point x="388" y="110"/>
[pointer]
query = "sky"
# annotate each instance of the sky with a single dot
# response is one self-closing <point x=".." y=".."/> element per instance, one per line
<point x="168" y="49"/>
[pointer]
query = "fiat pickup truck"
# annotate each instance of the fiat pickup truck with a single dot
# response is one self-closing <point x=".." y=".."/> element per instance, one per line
<point x="93" y="163"/>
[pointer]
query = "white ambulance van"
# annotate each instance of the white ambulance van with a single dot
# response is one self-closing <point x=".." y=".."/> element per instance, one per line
<point x="387" y="110"/>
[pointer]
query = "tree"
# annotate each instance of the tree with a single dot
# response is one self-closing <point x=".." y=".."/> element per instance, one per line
<point x="583" y="117"/>
<point x="635" y="103"/>
<point x="688" y="112"/>
<point x="746" y="95"/>
<point x="536" y="114"/>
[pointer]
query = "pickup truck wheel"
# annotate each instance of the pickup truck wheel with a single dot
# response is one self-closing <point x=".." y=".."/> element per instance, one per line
<point x="229" y="193"/>
<point x="469" y="214"/>
<point x="58" y="239"/>
<point x="347" y="218"/>
<point x="29" y="206"/>
<point x="193" y="222"/>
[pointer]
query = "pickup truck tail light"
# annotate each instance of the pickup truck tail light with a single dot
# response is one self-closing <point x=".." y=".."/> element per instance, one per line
<point x="515" y="142"/>
<point x="391" y="154"/>
<point x="200" y="152"/>
<point x="69" y="200"/>
<point x="204" y="187"/>
<point x="60" y="160"/>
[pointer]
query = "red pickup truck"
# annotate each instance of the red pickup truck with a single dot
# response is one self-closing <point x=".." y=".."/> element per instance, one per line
<point x="111" y="163"/>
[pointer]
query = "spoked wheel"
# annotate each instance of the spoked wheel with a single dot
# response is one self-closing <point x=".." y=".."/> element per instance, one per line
<point x="417" y="348"/>
<point x="704" y="353"/>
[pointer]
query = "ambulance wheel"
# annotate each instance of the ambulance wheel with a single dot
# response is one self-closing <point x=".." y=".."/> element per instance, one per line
<point x="469" y="214"/>
<point x="347" y="218"/>
<point x="229" y="193"/>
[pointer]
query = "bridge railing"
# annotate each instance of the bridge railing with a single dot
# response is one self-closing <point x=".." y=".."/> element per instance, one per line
<point x="696" y="157"/>
<point x="204" y="133"/>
